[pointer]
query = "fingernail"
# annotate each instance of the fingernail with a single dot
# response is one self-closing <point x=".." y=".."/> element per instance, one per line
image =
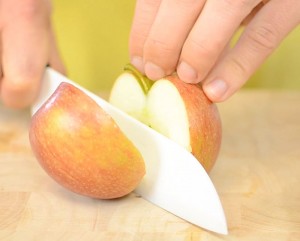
<point x="187" y="73"/>
<point x="137" y="61"/>
<point x="153" y="71"/>
<point x="216" y="89"/>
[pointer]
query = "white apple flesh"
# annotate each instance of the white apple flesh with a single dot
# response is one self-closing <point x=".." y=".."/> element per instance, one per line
<point x="129" y="96"/>
<point x="166" y="113"/>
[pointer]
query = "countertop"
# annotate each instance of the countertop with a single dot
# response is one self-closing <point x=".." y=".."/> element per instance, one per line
<point x="257" y="176"/>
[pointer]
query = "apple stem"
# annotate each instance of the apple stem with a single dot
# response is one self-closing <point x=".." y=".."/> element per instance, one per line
<point x="144" y="82"/>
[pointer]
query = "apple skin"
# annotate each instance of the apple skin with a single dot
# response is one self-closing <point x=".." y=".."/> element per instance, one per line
<point x="81" y="147"/>
<point x="204" y="122"/>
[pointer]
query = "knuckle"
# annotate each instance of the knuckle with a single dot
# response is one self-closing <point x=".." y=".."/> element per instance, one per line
<point x="202" y="55"/>
<point x="162" y="51"/>
<point x="239" y="68"/>
<point x="263" y="37"/>
<point x="202" y="49"/>
<point x="161" y="46"/>
<point x="138" y="34"/>
<point x="136" y="41"/>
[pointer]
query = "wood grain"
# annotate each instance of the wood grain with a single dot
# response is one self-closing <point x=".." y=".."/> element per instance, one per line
<point x="257" y="176"/>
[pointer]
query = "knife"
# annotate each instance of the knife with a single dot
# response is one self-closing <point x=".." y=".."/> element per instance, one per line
<point x="174" y="180"/>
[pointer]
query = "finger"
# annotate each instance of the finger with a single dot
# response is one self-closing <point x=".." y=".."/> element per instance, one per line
<point x="167" y="35"/>
<point x="55" y="60"/>
<point x="25" y="52"/>
<point x="214" y="28"/>
<point x="145" y="12"/>
<point x="264" y="33"/>
<point x="253" y="13"/>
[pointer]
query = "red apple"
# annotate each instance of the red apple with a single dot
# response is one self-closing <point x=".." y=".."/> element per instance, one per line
<point x="176" y="109"/>
<point x="81" y="147"/>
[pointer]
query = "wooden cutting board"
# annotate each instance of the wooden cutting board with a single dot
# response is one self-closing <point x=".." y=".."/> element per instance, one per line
<point x="257" y="176"/>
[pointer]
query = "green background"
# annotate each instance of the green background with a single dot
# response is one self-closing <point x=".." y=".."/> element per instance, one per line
<point x="93" y="40"/>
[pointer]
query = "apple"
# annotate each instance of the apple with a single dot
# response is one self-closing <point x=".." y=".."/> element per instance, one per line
<point x="178" y="110"/>
<point x="81" y="147"/>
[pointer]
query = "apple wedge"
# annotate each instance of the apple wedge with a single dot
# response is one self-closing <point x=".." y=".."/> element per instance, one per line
<point x="178" y="110"/>
<point x="82" y="148"/>
<point x="129" y="93"/>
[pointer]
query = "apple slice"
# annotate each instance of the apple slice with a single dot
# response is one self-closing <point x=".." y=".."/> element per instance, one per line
<point x="180" y="111"/>
<point x="183" y="113"/>
<point x="82" y="148"/>
<point x="130" y="95"/>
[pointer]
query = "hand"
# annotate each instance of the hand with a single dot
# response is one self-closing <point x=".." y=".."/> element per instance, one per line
<point x="27" y="46"/>
<point x="192" y="38"/>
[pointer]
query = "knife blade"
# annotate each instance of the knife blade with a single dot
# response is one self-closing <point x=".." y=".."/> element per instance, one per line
<point x="174" y="180"/>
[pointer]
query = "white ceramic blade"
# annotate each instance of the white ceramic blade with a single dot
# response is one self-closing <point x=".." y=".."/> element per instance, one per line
<point x="174" y="180"/>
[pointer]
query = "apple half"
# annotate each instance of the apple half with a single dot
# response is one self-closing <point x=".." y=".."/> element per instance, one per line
<point x="178" y="110"/>
<point x="82" y="148"/>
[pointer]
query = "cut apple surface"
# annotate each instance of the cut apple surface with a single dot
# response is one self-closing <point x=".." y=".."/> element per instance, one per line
<point x="180" y="111"/>
<point x="166" y="113"/>
<point x="132" y="94"/>
<point x="82" y="148"/>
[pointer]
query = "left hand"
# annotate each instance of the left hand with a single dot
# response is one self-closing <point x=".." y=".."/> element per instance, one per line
<point x="192" y="38"/>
